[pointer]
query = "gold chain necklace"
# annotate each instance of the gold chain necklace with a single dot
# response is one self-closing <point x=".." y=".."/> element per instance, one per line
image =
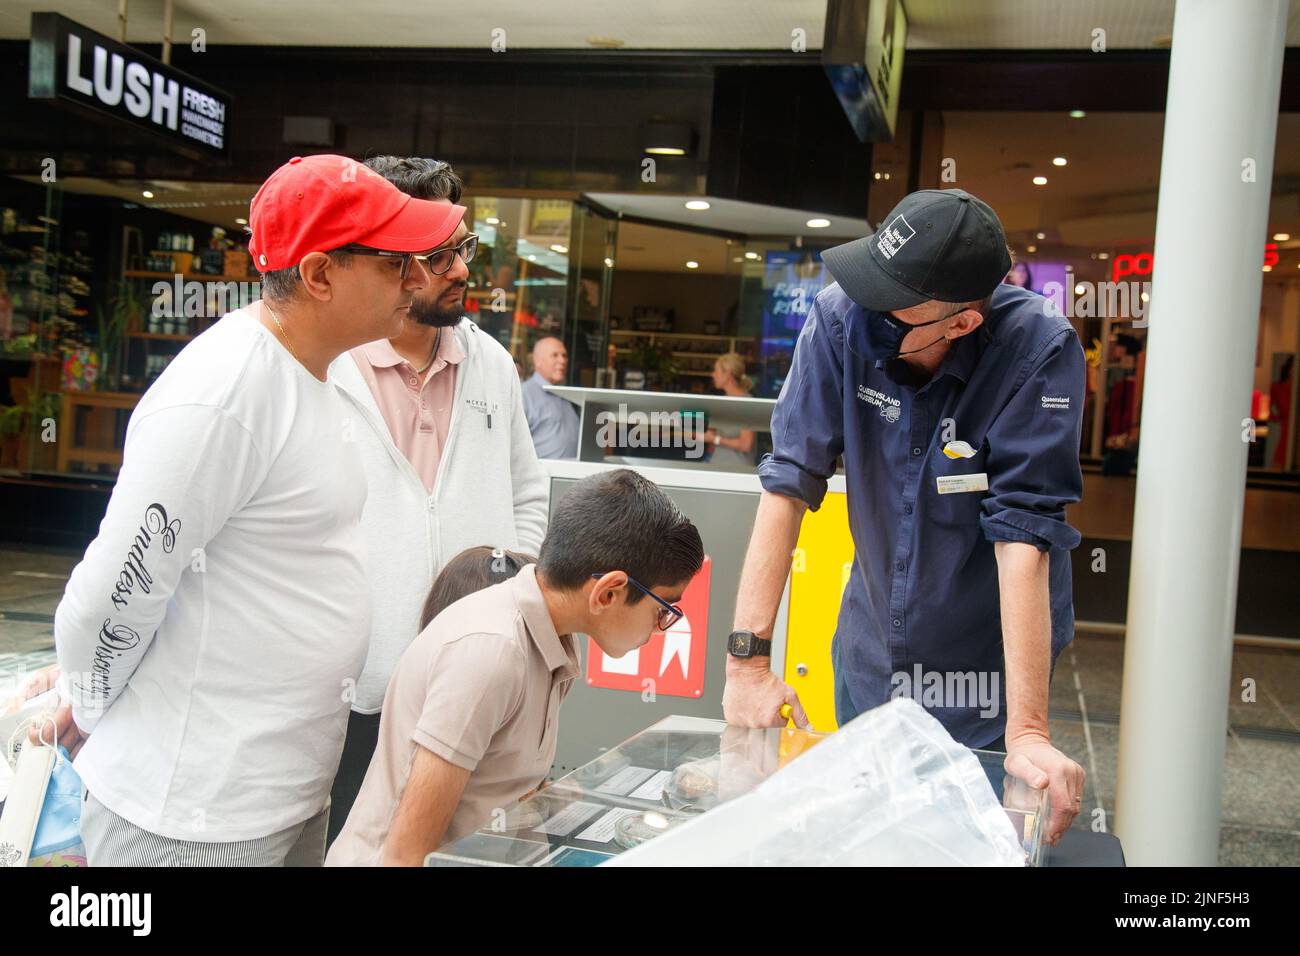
<point x="287" y="341"/>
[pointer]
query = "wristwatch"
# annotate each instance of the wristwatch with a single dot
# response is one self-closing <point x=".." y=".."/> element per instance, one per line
<point x="748" y="644"/>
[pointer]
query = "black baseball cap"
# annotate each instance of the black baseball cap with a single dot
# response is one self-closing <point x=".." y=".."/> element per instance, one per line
<point x="940" y="244"/>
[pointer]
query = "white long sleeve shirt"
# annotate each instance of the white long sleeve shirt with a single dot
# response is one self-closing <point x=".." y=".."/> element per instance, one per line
<point x="209" y="633"/>
<point x="489" y="490"/>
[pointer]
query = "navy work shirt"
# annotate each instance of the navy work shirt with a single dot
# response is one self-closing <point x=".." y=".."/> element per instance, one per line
<point x="924" y="585"/>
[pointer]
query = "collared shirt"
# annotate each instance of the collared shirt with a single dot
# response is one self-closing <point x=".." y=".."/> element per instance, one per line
<point x="552" y="421"/>
<point x="922" y="605"/>
<point x="480" y="687"/>
<point x="416" y="408"/>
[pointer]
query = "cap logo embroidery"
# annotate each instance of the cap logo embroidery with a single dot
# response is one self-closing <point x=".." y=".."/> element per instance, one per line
<point x="894" y="236"/>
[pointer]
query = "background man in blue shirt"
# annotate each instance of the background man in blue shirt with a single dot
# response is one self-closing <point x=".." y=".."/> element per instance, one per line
<point x="956" y="402"/>
<point x="552" y="421"/>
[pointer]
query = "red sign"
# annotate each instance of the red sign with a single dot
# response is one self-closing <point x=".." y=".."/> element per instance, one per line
<point x="671" y="663"/>
<point x="1144" y="263"/>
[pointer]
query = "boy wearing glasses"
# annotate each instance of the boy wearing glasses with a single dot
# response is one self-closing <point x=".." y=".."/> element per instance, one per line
<point x="439" y="421"/>
<point x="471" y="716"/>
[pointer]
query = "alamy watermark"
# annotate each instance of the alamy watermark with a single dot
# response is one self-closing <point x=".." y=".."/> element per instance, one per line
<point x="949" y="689"/>
<point x="183" y="298"/>
<point x="638" y="429"/>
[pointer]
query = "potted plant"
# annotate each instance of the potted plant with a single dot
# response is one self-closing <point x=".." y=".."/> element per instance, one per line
<point x="114" y="318"/>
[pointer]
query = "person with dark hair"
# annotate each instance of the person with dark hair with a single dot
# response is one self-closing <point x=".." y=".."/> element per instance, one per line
<point x="471" y="717"/>
<point x="955" y="401"/>
<point x="441" y="424"/>
<point x="204" y="639"/>
<point x="472" y="570"/>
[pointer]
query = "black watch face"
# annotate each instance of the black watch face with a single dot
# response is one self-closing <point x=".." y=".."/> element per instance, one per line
<point x="742" y="644"/>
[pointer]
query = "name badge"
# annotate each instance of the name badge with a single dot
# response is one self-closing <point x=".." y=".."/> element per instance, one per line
<point x="956" y="484"/>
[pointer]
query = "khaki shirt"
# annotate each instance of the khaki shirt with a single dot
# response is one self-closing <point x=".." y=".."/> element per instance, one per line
<point x="480" y="687"/>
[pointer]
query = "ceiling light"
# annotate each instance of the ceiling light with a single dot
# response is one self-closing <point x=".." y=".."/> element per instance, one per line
<point x="1031" y="248"/>
<point x="751" y="255"/>
<point x="817" y="223"/>
<point x="1058" y="160"/>
<point x="697" y="204"/>
<point x="491" y="220"/>
<point x="1281" y="236"/>
<point x="1146" y="297"/>
<point x="1103" y="255"/>
<point x="241" y="222"/>
<point x="1040" y="180"/>
<point x="1080" y="289"/>
<point x="147" y="194"/>
<point x="1040" y="235"/>
<point x="667" y="139"/>
<point x="532" y="258"/>
<point x="692" y="264"/>
<point x="1077" y="114"/>
<point x="559" y="248"/>
<point x="609" y="263"/>
<point x="877" y="175"/>
<point x="1268" y="268"/>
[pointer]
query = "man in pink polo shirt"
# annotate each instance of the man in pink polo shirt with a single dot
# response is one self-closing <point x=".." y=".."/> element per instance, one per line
<point x="448" y="458"/>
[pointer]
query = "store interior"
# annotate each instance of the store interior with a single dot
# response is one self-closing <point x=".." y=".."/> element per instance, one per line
<point x="646" y="290"/>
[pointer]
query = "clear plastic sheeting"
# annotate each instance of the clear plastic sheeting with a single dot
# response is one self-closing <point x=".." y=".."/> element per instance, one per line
<point x="891" y="788"/>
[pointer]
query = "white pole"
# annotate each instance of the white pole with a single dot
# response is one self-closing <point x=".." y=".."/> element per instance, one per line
<point x="1215" y="179"/>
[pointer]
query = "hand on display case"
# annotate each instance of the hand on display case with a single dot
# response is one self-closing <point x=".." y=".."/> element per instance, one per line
<point x="1033" y="759"/>
<point x="753" y="697"/>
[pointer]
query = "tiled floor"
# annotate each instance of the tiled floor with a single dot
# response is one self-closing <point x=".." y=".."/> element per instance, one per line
<point x="1261" y="792"/>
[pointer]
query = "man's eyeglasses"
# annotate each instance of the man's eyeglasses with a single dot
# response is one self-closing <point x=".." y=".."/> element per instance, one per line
<point x="669" y="614"/>
<point x="437" y="262"/>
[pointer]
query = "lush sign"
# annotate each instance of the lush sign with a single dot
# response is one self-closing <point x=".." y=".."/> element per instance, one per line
<point x="74" y="65"/>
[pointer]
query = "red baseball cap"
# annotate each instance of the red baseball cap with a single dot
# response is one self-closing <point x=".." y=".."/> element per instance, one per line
<point x="319" y="203"/>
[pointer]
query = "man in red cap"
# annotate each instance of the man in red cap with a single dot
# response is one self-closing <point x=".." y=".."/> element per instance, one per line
<point x="209" y="639"/>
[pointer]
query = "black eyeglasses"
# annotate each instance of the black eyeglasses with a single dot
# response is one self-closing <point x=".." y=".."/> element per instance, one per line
<point x="437" y="262"/>
<point x="669" y="614"/>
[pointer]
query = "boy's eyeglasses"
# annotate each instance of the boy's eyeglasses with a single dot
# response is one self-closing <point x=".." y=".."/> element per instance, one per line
<point x="437" y="262"/>
<point x="669" y="614"/>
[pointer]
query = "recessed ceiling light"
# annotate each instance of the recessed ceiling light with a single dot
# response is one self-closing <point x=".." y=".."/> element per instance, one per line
<point x="1268" y="268"/>
<point x="559" y="248"/>
<point x="817" y="223"/>
<point x="532" y="258"/>
<point x="751" y="255"/>
<point x="1040" y="180"/>
<point x="1077" y="114"/>
<point x="1058" y="160"/>
<point x="1031" y="248"/>
<point x="1040" y="235"/>
<point x="491" y="220"/>
<point x="1281" y="236"/>
<point x="877" y="175"/>
<point x="1103" y="255"/>
<point x="609" y="263"/>
<point x="241" y="222"/>
<point x="692" y="264"/>
<point x="697" y="204"/>
<point x="1146" y="297"/>
<point x="1080" y="288"/>
<point x="147" y="194"/>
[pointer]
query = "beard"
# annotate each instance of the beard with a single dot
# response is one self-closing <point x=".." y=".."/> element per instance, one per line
<point x="432" y="313"/>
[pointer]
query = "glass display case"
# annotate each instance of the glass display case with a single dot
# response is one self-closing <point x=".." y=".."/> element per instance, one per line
<point x="662" y="777"/>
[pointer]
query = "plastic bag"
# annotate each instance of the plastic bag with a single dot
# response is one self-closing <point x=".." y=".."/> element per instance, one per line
<point x="891" y="788"/>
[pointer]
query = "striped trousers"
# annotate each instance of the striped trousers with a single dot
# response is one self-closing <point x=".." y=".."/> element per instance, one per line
<point x="112" y="841"/>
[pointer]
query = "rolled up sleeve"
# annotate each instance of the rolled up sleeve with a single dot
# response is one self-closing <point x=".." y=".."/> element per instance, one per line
<point x="1033" y="459"/>
<point x="808" y="420"/>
